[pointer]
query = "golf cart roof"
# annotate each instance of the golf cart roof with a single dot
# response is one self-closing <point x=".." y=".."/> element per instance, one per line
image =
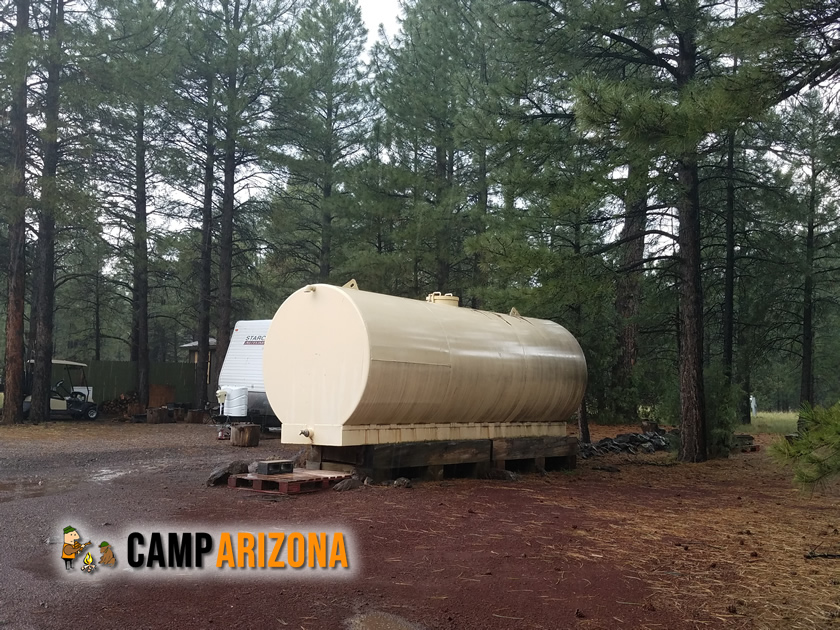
<point x="64" y="362"/>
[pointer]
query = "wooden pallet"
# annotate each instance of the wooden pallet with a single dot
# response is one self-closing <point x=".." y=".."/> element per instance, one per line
<point x="296" y="482"/>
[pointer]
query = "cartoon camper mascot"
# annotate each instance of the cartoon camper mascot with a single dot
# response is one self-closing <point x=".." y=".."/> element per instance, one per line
<point x="107" y="554"/>
<point x="71" y="547"/>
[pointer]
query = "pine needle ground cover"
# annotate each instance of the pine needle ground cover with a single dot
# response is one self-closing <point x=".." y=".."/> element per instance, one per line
<point x="724" y="540"/>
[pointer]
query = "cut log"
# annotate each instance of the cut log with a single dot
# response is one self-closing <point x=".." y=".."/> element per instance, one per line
<point x="196" y="416"/>
<point x="245" y="434"/>
<point x="134" y="409"/>
<point x="157" y="415"/>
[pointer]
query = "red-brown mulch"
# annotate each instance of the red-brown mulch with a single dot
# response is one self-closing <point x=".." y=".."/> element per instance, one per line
<point x="657" y="545"/>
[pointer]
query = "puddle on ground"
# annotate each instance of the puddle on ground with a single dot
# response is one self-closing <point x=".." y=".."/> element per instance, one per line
<point x="380" y="621"/>
<point x="106" y="474"/>
<point x="28" y="488"/>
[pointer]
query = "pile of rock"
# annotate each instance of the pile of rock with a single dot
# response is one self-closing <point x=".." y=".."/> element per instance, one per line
<point x="632" y="443"/>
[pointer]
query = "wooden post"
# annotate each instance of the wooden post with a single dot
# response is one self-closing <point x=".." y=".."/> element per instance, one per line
<point x="245" y="434"/>
<point x="313" y="458"/>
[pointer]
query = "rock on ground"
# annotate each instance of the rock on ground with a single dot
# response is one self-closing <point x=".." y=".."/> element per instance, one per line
<point x="220" y="475"/>
<point x="347" y="484"/>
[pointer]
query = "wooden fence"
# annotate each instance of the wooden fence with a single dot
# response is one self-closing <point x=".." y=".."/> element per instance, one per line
<point x="168" y="382"/>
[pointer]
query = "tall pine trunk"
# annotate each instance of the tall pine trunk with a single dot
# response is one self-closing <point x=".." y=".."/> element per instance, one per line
<point x="325" y="255"/>
<point x="97" y="315"/>
<point x="479" y="277"/>
<point x="692" y="395"/>
<point x="442" y="183"/>
<point x="45" y="288"/>
<point x="202" y="364"/>
<point x="729" y="269"/>
<point x="806" y="387"/>
<point x="324" y="262"/>
<point x="692" y="398"/>
<point x="223" y="312"/>
<point x="483" y="194"/>
<point x="141" y="259"/>
<point x="577" y="309"/>
<point x="34" y="284"/>
<point x="13" y="405"/>
<point x="628" y="287"/>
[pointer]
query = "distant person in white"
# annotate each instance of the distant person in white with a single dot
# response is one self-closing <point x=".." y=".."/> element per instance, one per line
<point x="753" y="406"/>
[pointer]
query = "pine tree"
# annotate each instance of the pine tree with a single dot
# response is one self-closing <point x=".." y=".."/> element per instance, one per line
<point x="322" y="121"/>
<point x="195" y="108"/>
<point x="675" y="117"/>
<point x="425" y="79"/>
<point x="17" y="77"/>
<point x="43" y="307"/>
<point x="809" y="141"/>
<point x="135" y="132"/>
<point x="253" y="36"/>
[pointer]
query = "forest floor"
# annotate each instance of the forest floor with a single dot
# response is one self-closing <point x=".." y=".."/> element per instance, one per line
<point x="656" y="545"/>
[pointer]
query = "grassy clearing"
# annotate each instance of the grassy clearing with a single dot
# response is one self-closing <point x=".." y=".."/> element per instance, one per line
<point x="773" y="422"/>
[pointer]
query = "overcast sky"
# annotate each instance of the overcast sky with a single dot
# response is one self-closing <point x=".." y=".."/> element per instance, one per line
<point x="376" y="12"/>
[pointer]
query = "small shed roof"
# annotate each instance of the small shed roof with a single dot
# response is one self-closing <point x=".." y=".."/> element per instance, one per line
<point x="194" y="344"/>
<point x="64" y="362"/>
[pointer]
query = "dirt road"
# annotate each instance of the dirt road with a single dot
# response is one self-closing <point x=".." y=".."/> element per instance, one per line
<point x="655" y="545"/>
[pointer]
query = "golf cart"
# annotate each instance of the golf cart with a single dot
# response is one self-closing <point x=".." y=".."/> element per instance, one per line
<point x="70" y="397"/>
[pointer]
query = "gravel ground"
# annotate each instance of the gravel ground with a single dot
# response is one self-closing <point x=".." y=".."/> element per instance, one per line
<point x="581" y="549"/>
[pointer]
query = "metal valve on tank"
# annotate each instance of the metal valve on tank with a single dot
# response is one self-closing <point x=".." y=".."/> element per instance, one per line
<point x="438" y="298"/>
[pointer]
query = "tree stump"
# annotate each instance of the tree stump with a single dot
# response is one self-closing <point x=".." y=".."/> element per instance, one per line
<point x="157" y="415"/>
<point x="196" y="416"/>
<point x="134" y="409"/>
<point x="245" y="434"/>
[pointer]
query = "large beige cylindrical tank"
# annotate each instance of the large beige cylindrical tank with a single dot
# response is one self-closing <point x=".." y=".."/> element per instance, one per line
<point x="345" y="367"/>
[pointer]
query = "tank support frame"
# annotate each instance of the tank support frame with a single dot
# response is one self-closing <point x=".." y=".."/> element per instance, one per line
<point x="435" y="460"/>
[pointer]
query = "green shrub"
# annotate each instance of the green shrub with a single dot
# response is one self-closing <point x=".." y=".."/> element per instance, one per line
<point x="721" y="412"/>
<point x="666" y="410"/>
<point x="815" y="453"/>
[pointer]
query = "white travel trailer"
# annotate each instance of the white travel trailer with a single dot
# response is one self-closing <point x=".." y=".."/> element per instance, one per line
<point x="243" y="367"/>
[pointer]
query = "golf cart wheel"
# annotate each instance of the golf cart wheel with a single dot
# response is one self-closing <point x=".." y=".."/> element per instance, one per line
<point x="92" y="412"/>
